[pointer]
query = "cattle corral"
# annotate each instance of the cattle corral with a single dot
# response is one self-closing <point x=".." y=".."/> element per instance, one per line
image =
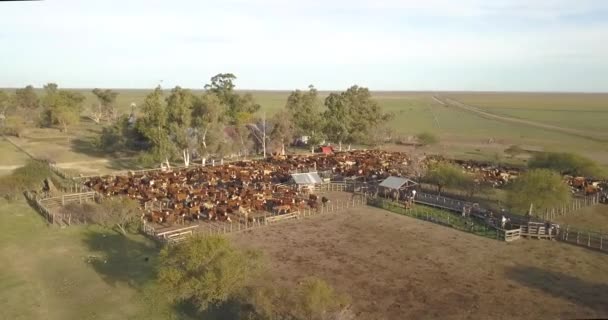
<point x="396" y="267"/>
<point x="243" y="194"/>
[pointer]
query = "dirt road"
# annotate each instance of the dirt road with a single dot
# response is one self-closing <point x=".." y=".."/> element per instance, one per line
<point x="488" y="115"/>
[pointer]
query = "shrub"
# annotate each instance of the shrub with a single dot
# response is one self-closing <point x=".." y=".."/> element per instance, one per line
<point x="122" y="213"/>
<point x="206" y="271"/>
<point x="427" y="138"/>
<point x="566" y="163"/>
<point x="514" y="150"/>
<point x="30" y="176"/>
<point x="542" y="188"/>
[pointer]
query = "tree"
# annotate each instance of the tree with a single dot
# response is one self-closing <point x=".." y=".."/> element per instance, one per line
<point x="206" y="271"/>
<point x="62" y="107"/>
<point x="222" y="85"/>
<point x="118" y="212"/>
<point x="352" y="115"/>
<point x="239" y="108"/>
<point x="4" y="102"/>
<point x="153" y="125"/>
<point x="27" y="103"/>
<point x="259" y="132"/>
<point x="304" y="112"/>
<point x="208" y="119"/>
<point x="447" y="175"/>
<point x="540" y="188"/>
<point x="106" y="106"/>
<point x="427" y="138"/>
<point x="566" y="163"/>
<point x="26" y="98"/>
<point x="338" y="122"/>
<point x="179" y="112"/>
<point x="282" y="131"/>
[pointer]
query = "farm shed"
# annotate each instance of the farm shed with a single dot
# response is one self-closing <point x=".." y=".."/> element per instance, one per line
<point x="399" y="187"/>
<point x="306" y="180"/>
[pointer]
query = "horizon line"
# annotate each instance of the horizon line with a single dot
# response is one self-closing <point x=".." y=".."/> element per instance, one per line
<point x="334" y="90"/>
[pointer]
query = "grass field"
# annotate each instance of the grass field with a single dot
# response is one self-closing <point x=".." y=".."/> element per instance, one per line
<point x="391" y="265"/>
<point x="580" y="111"/>
<point x="73" y="273"/>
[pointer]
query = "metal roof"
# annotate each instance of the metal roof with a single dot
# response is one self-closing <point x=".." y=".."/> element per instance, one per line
<point x="306" y="178"/>
<point x="397" y="182"/>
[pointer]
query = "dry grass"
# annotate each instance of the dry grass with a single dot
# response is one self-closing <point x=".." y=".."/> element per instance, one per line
<point x="395" y="267"/>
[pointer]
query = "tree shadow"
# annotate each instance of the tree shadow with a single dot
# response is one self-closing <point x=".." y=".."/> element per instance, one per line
<point x="87" y="146"/>
<point x="122" y="259"/>
<point x="560" y="285"/>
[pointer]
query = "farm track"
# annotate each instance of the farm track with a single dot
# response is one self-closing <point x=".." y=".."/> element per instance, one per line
<point x="492" y="116"/>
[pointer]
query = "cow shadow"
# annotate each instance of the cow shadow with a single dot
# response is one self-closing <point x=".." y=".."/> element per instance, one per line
<point x="564" y="286"/>
<point x="120" y="259"/>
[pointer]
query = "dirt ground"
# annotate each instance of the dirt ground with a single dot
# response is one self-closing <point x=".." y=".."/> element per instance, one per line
<point x="396" y="267"/>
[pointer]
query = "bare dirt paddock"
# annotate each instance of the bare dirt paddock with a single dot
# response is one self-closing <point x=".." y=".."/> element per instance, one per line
<point x="396" y="267"/>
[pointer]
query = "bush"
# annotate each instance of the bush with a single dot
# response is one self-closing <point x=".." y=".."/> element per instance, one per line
<point x="122" y="213"/>
<point x="206" y="271"/>
<point x="566" y="163"/>
<point x="316" y="299"/>
<point x="427" y="138"/>
<point x="13" y="126"/>
<point x="514" y="150"/>
<point x="542" y="188"/>
<point x="29" y="177"/>
<point x="447" y="175"/>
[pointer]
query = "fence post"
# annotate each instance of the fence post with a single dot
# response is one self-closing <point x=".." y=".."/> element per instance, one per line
<point x="588" y="239"/>
<point x="601" y="241"/>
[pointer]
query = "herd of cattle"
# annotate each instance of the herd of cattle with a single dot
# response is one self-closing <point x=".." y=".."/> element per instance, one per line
<point x="247" y="188"/>
<point x="243" y="188"/>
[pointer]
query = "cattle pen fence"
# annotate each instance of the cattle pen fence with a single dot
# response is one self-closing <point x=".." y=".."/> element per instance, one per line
<point x="585" y="238"/>
<point x="175" y="234"/>
<point x="444" y="218"/>
<point x="51" y="208"/>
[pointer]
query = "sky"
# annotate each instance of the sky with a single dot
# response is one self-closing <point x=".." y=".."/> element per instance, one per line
<point x="471" y="45"/>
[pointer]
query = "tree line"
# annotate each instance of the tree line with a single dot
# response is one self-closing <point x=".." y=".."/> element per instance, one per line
<point x="55" y="108"/>
<point x="220" y="122"/>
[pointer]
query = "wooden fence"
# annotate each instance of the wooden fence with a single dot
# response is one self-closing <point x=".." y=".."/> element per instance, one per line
<point x="175" y="235"/>
<point x="585" y="238"/>
<point x="448" y="219"/>
<point x="575" y="204"/>
<point x="50" y="208"/>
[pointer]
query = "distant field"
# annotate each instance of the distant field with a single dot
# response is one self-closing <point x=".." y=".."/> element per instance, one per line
<point x="579" y="111"/>
<point x="462" y="133"/>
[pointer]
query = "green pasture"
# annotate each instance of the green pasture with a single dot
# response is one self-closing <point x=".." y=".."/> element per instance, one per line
<point x="74" y="273"/>
<point x="9" y="155"/>
<point x="587" y="112"/>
